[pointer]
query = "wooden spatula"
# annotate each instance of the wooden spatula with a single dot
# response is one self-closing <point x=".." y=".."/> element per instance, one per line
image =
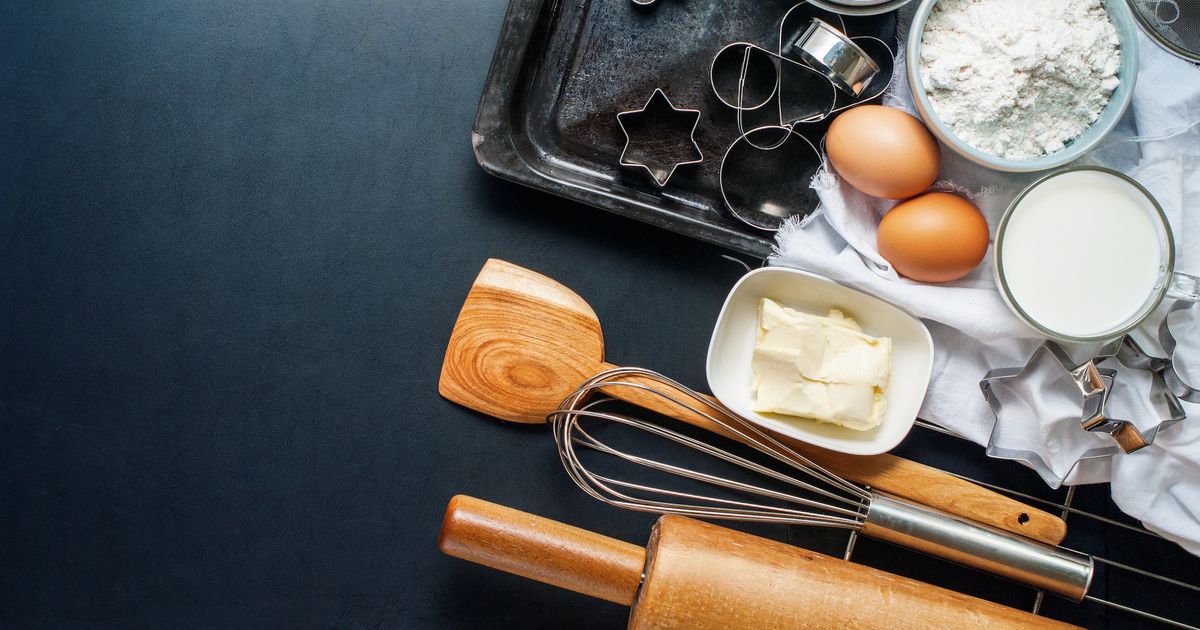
<point x="522" y="342"/>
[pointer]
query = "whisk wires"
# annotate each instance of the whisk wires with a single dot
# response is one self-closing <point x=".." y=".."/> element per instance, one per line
<point x="837" y="503"/>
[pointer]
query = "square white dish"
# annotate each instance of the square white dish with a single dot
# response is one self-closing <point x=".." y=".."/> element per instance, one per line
<point x="729" y="353"/>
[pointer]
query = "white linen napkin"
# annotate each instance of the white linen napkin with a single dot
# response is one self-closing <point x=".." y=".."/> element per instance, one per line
<point x="974" y="331"/>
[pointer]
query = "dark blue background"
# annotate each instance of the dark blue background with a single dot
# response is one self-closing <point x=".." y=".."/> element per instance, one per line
<point x="234" y="237"/>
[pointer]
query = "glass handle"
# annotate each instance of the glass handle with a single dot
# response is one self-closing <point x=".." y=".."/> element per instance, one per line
<point x="1184" y="287"/>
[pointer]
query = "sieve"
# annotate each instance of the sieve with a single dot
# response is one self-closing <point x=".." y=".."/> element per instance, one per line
<point x="859" y="7"/>
<point x="1172" y="24"/>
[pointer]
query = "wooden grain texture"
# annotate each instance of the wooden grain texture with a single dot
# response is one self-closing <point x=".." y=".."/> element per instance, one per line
<point x="541" y="549"/>
<point x="700" y="576"/>
<point x="897" y="476"/>
<point x="522" y="342"/>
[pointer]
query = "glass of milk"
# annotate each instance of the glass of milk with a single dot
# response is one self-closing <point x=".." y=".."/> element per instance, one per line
<point x="1085" y="254"/>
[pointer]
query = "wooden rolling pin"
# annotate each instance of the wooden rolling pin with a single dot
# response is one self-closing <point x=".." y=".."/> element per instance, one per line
<point x="701" y="576"/>
<point x="522" y="342"/>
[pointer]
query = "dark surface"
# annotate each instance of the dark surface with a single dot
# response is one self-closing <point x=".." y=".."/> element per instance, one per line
<point x="233" y="240"/>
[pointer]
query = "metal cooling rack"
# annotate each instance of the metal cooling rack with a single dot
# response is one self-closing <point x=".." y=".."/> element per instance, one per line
<point x="1064" y="506"/>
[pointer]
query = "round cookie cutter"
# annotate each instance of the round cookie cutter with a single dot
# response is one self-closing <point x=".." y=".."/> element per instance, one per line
<point x="764" y="176"/>
<point x="836" y="56"/>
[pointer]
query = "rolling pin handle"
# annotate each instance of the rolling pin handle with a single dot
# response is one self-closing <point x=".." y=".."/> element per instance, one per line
<point x="541" y="549"/>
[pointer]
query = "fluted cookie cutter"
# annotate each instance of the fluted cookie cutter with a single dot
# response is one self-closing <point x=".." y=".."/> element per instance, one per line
<point x="1093" y="384"/>
<point x="659" y="137"/>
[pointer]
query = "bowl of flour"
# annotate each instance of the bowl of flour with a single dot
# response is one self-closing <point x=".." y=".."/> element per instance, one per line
<point x="1022" y="86"/>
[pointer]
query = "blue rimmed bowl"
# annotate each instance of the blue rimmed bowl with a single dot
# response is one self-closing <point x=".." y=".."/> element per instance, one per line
<point x="1122" y="19"/>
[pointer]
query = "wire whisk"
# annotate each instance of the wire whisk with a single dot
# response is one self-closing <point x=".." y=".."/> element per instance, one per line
<point x="808" y="494"/>
<point x="849" y="501"/>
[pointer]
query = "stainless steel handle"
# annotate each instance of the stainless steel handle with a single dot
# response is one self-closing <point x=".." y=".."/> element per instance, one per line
<point x="1045" y="567"/>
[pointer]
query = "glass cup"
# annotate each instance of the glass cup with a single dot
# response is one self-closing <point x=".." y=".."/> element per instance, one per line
<point x="1073" y="251"/>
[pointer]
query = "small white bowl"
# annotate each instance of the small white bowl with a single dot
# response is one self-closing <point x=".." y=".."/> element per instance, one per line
<point x="730" y="375"/>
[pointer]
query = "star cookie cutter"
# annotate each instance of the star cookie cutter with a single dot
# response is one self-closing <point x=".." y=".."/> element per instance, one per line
<point x="1168" y="388"/>
<point x="1164" y="401"/>
<point x="1093" y="384"/>
<point x="655" y="137"/>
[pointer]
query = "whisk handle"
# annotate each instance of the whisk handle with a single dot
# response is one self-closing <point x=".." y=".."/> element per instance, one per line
<point x="1045" y="567"/>
<point x="541" y="549"/>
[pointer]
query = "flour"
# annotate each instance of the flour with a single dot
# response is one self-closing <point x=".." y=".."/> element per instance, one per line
<point x="1019" y="79"/>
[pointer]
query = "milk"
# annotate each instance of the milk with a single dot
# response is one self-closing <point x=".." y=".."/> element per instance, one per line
<point x="1082" y="254"/>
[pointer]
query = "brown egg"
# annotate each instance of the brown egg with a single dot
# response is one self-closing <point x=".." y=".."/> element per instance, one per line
<point x="883" y="152"/>
<point x="937" y="237"/>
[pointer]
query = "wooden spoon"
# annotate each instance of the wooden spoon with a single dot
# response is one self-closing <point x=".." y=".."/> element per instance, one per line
<point x="522" y="342"/>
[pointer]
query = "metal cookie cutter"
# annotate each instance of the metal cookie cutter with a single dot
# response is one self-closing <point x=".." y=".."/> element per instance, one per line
<point x="1167" y="389"/>
<point x="764" y="176"/>
<point x="1174" y="381"/>
<point x="765" y="172"/>
<point x="799" y="24"/>
<point x="1094" y="384"/>
<point x="836" y="56"/>
<point x="660" y="137"/>
<point x="746" y="77"/>
<point x="1088" y="376"/>
<point x="1167" y="386"/>
<point x="1164" y="400"/>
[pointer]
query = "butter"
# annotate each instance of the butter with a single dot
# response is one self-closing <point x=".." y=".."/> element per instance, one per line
<point x="823" y="368"/>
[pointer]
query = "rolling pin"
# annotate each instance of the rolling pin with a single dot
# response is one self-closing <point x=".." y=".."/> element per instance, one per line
<point x="700" y="576"/>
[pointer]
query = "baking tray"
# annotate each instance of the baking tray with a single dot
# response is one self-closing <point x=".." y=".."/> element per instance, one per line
<point x="562" y="71"/>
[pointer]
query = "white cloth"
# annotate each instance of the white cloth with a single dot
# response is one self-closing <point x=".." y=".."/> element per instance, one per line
<point x="974" y="331"/>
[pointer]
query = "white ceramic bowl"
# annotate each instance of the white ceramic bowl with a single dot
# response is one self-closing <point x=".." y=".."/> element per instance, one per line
<point x="729" y="353"/>
<point x="1127" y="34"/>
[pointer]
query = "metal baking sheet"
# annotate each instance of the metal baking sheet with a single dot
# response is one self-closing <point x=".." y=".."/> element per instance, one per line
<point x="562" y="71"/>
